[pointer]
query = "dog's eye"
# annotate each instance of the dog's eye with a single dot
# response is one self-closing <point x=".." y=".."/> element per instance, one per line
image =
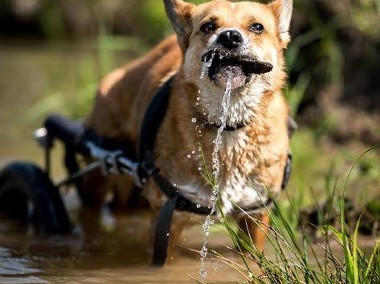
<point x="257" y="28"/>
<point x="208" y="27"/>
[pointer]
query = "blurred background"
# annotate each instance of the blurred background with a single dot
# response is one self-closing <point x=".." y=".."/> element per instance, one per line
<point x="54" y="52"/>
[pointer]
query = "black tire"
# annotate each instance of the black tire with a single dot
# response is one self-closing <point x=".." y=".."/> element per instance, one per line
<point x="24" y="183"/>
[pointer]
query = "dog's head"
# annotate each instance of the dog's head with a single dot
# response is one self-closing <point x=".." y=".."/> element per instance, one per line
<point x="235" y="43"/>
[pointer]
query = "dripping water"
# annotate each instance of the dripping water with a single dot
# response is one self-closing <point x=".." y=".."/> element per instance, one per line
<point x="215" y="173"/>
<point x="206" y="65"/>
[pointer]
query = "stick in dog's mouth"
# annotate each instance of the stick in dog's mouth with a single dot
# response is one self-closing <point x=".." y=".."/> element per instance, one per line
<point x="229" y="66"/>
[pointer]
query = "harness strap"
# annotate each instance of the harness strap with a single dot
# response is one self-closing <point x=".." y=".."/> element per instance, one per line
<point x="227" y="127"/>
<point x="147" y="168"/>
<point x="162" y="232"/>
<point x="153" y="118"/>
<point x="182" y="203"/>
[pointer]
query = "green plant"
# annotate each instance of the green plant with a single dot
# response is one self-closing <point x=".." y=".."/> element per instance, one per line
<point x="298" y="260"/>
<point x="336" y="258"/>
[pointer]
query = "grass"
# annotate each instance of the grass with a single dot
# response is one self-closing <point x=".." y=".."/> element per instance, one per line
<point x="299" y="260"/>
<point x="336" y="257"/>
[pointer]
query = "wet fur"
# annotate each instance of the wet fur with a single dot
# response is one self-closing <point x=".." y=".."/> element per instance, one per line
<point x="252" y="158"/>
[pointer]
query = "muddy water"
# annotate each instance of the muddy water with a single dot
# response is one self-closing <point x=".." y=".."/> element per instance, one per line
<point x="115" y="253"/>
<point x="120" y="256"/>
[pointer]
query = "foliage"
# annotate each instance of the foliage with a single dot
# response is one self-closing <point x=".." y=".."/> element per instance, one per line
<point x="298" y="259"/>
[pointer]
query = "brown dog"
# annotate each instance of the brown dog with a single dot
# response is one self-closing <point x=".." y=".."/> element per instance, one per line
<point x="243" y="43"/>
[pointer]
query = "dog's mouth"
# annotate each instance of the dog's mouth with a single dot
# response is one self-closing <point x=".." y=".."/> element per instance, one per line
<point x="231" y="68"/>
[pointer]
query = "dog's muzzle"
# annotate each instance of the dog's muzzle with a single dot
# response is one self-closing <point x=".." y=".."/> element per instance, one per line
<point x="226" y="66"/>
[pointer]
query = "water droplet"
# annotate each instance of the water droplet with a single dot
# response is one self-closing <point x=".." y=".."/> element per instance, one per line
<point x="206" y="65"/>
<point x="198" y="98"/>
<point x="200" y="169"/>
<point x="193" y="120"/>
<point x="199" y="206"/>
<point x="189" y="156"/>
<point x="167" y="234"/>
<point x="174" y="184"/>
<point x="209" y="63"/>
<point x="192" y="152"/>
<point x="203" y="72"/>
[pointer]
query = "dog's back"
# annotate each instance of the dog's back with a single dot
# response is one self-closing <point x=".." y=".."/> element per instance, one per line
<point x="124" y="94"/>
<point x="118" y="111"/>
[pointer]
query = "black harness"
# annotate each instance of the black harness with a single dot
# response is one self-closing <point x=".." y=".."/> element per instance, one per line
<point x="151" y="124"/>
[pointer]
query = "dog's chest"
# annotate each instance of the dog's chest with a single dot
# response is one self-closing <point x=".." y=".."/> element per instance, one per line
<point x="239" y="187"/>
<point x="241" y="160"/>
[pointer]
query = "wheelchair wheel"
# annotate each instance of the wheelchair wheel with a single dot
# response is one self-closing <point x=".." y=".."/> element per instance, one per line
<point x="27" y="193"/>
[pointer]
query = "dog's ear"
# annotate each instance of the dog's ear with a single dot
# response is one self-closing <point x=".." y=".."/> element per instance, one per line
<point x="283" y="10"/>
<point x="179" y="14"/>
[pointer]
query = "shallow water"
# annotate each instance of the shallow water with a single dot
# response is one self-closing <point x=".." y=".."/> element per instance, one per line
<point x="117" y="256"/>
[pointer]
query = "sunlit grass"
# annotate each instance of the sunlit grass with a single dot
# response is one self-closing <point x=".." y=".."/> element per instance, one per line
<point x="299" y="260"/>
<point x="335" y="257"/>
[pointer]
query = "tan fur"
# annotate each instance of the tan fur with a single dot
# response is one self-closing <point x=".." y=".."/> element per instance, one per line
<point x="257" y="152"/>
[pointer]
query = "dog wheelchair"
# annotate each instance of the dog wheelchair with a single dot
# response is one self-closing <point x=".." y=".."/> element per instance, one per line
<point x="27" y="191"/>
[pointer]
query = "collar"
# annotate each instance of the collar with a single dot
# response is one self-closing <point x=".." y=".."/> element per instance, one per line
<point x="213" y="125"/>
<point x="227" y="128"/>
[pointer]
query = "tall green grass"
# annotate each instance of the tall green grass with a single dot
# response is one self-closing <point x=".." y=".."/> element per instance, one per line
<point x="297" y="259"/>
<point x="335" y="257"/>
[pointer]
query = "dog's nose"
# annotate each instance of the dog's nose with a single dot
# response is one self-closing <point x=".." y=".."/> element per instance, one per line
<point x="230" y="39"/>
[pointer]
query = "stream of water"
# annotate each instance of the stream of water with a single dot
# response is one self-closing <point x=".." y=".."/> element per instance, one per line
<point x="215" y="167"/>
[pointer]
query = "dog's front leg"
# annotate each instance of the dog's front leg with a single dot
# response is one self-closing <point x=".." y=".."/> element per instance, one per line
<point x="256" y="228"/>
